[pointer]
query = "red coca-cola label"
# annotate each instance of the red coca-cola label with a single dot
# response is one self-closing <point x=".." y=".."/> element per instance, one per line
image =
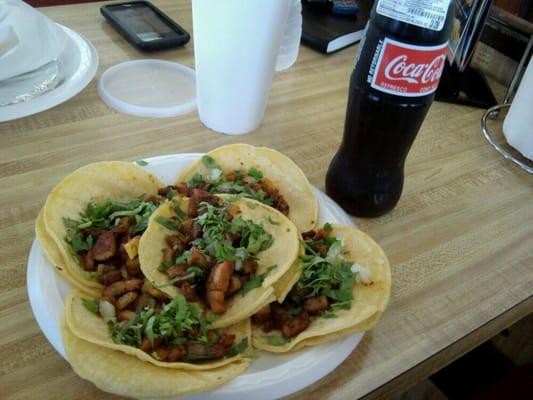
<point x="407" y="70"/>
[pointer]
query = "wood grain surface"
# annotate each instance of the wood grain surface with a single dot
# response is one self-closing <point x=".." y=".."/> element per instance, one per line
<point x="460" y="242"/>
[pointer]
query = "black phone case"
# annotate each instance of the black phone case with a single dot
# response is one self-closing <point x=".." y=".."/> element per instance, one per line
<point x="130" y="36"/>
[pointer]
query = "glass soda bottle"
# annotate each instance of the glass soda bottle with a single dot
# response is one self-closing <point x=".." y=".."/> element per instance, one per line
<point x="398" y="68"/>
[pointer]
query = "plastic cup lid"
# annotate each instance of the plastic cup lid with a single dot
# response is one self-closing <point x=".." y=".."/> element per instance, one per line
<point x="149" y="88"/>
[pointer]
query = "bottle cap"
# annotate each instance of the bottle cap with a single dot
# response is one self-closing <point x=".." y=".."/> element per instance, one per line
<point x="149" y="88"/>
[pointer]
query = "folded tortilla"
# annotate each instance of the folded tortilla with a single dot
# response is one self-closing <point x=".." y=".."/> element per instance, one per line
<point x="123" y="374"/>
<point x="370" y="296"/>
<point x="92" y="328"/>
<point x="281" y="254"/>
<point x="94" y="182"/>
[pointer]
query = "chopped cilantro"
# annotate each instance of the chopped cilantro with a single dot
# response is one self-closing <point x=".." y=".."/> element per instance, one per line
<point x="126" y="213"/>
<point x="142" y="163"/>
<point x="193" y="357"/>
<point x="171" y="193"/>
<point x="276" y="340"/>
<point x="180" y="214"/>
<point x="255" y="281"/>
<point x="92" y="305"/>
<point x="127" y="332"/>
<point x="99" y="217"/>
<point x="177" y="319"/>
<point x="254" y="354"/>
<point x="343" y="304"/>
<point x="195" y="180"/>
<point x="216" y="224"/>
<point x="328" y="314"/>
<point x="182" y="259"/>
<point x="197" y="271"/>
<point x="75" y="238"/>
<point x="192" y="273"/>
<point x="255" y="173"/>
<point x="328" y="275"/>
<point x="240" y="183"/>
<point x="295" y="310"/>
<point x="209" y="162"/>
<point x="165" y="265"/>
<point x="238" y="348"/>
<point x="260" y="195"/>
<point x="272" y="221"/>
<point x="327" y="227"/>
<point x="169" y="223"/>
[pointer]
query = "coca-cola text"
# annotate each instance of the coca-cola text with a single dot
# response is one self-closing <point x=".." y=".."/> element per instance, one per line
<point x="407" y="69"/>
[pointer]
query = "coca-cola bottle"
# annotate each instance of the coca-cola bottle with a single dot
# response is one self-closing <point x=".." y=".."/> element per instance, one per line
<point x="398" y="67"/>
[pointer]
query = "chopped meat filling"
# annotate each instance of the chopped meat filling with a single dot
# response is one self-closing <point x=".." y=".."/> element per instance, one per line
<point x="251" y="184"/>
<point x="132" y="297"/>
<point x="200" y="257"/>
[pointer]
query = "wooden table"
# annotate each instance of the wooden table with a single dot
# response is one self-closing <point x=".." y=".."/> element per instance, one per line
<point x="460" y="241"/>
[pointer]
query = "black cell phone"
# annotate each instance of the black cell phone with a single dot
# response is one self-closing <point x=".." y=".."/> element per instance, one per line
<point x="144" y="25"/>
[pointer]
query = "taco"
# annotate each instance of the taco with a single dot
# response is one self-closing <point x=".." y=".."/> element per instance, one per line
<point x="133" y="317"/>
<point x="53" y="254"/>
<point x="341" y="286"/>
<point x="95" y="217"/>
<point x="223" y="253"/>
<point x="258" y="173"/>
<point x="125" y="375"/>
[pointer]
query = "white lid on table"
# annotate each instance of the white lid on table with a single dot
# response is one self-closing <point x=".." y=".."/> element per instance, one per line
<point x="149" y="88"/>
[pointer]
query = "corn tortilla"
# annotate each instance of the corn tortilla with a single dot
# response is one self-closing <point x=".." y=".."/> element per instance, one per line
<point x="286" y="176"/>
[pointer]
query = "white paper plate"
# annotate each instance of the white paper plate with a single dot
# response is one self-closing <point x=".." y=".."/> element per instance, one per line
<point x="79" y="62"/>
<point x="269" y="377"/>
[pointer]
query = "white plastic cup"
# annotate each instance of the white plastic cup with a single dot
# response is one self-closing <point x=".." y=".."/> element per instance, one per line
<point x="290" y="45"/>
<point x="236" y="45"/>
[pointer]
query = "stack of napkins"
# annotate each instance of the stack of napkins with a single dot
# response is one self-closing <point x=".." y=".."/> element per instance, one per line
<point x="518" y="125"/>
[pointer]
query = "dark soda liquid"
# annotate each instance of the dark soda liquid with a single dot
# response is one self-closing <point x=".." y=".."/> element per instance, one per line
<point x="366" y="175"/>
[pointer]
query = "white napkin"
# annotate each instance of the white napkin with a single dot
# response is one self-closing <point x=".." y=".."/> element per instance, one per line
<point x="518" y="124"/>
<point x="28" y="39"/>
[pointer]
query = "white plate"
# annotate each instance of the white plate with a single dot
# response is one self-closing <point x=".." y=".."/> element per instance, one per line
<point x="79" y="61"/>
<point x="269" y="377"/>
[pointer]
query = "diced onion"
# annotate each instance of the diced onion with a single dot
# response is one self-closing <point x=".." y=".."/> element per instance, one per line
<point x="215" y="174"/>
<point x="362" y="271"/>
<point x="107" y="311"/>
